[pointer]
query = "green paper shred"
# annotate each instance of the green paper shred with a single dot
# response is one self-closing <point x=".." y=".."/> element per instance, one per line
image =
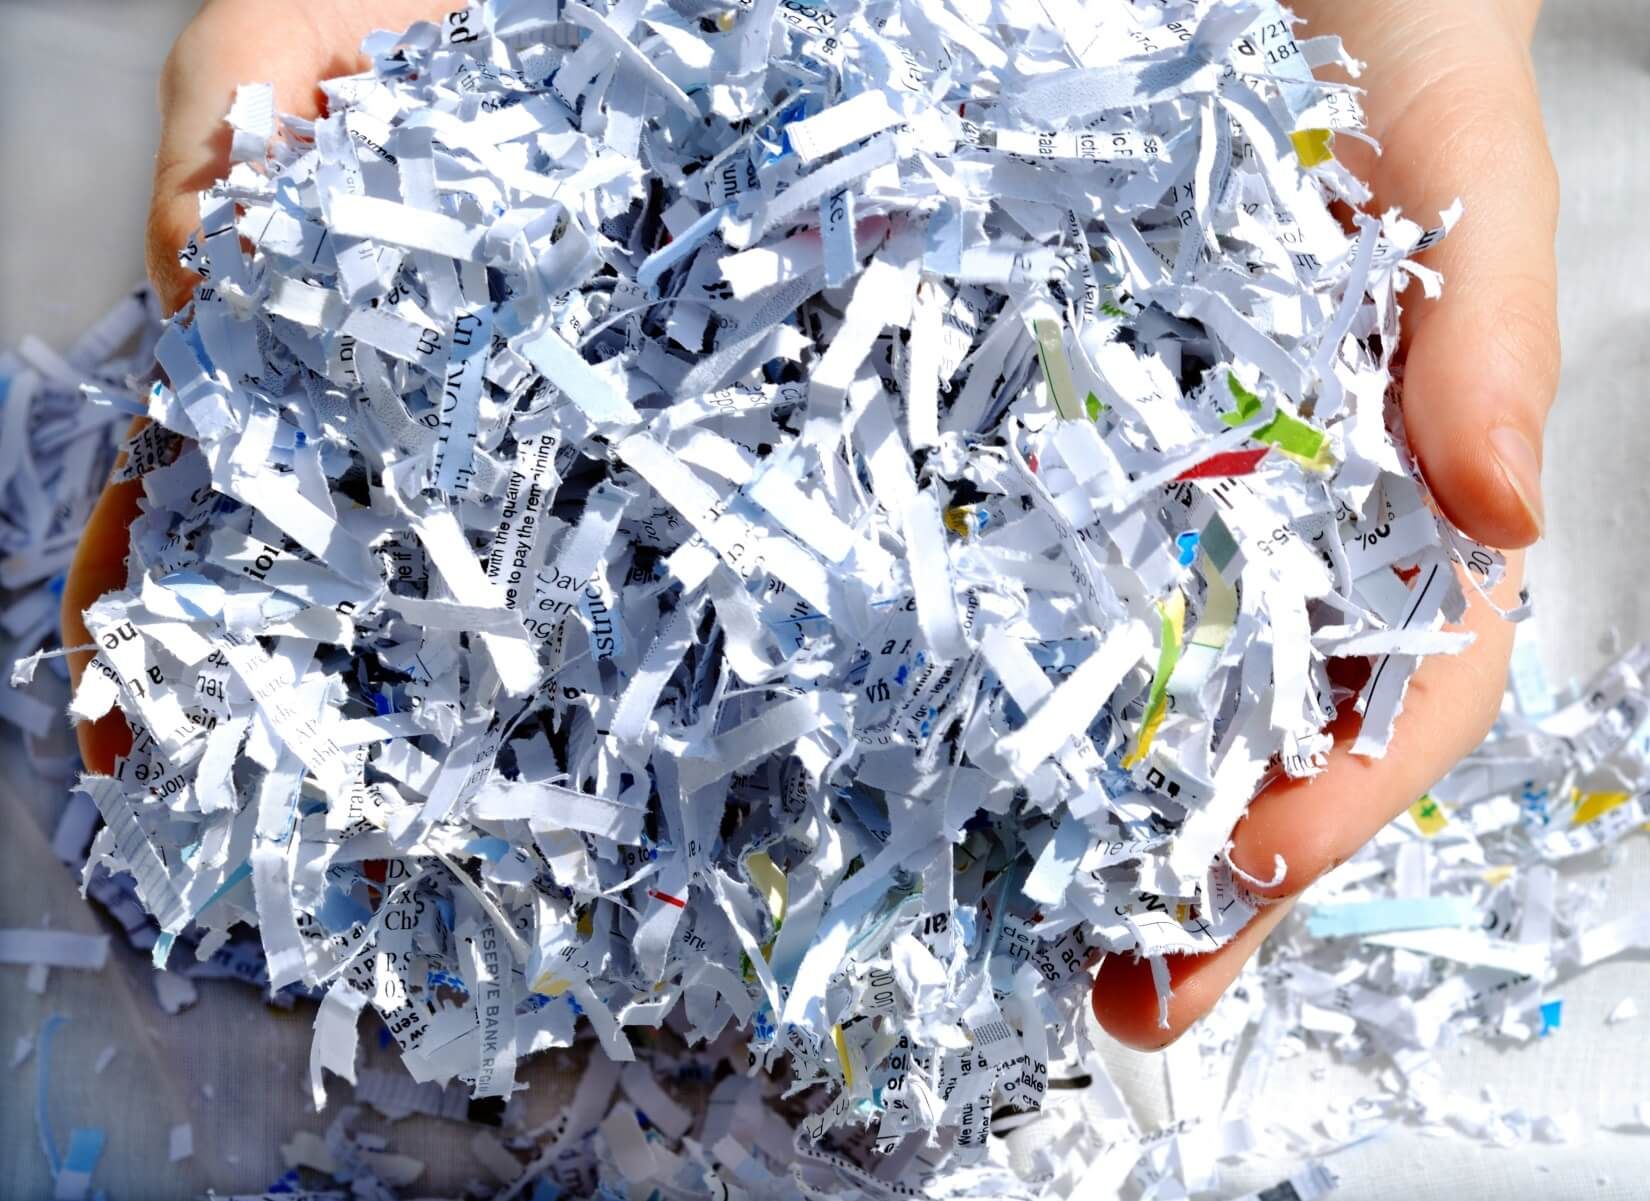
<point x="1287" y="433"/>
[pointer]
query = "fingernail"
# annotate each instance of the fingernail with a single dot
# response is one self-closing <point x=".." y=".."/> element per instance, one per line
<point x="1522" y="469"/>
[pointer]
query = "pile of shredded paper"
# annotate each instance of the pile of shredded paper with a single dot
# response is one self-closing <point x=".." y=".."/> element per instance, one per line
<point x="1466" y="917"/>
<point x="802" y="524"/>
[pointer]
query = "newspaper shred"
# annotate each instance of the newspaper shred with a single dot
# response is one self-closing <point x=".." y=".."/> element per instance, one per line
<point x="804" y="527"/>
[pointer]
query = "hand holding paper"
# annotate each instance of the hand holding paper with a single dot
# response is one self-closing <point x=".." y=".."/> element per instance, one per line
<point x="1452" y="100"/>
<point x="1472" y="411"/>
<point x="293" y="46"/>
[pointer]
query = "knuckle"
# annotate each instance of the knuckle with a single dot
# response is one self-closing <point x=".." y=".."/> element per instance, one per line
<point x="1477" y="125"/>
<point x="1524" y="329"/>
<point x="182" y="61"/>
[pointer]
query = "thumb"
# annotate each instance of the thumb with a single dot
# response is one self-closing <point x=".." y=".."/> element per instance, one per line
<point x="210" y="58"/>
<point x="1458" y="114"/>
<point x="225" y="46"/>
<point x="293" y="46"/>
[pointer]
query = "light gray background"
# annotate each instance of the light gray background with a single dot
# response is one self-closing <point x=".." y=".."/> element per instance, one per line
<point x="77" y="129"/>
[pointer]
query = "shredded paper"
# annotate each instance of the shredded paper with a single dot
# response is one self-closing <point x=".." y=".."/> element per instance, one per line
<point x="805" y="526"/>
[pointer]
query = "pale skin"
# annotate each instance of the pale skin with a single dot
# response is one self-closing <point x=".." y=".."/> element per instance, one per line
<point x="1451" y="96"/>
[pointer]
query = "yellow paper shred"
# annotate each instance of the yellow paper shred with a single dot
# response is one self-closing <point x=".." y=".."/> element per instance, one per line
<point x="1428" y="815"/>
<point x="1314" y="147"/>
<point x="1590" y="805"/>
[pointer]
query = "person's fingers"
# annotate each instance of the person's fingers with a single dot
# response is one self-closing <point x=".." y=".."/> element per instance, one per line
<point x="1452" y="97"/>
<point x="1125" y="996"/>
<point x="1483" y="364"/>
<point x="212" y="56"/>
<point x="1451" y="703"/>
<point x="1315" y="824"/>
<point x="227" y="44"/>
<point x="231" y="42"/>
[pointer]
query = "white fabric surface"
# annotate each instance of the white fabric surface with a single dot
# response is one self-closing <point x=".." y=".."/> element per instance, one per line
<point x="76" y="135"/>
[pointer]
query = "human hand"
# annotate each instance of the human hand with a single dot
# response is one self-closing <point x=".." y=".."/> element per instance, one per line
<point x="1452" y="99"/>
<point x="293" y="44"/>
